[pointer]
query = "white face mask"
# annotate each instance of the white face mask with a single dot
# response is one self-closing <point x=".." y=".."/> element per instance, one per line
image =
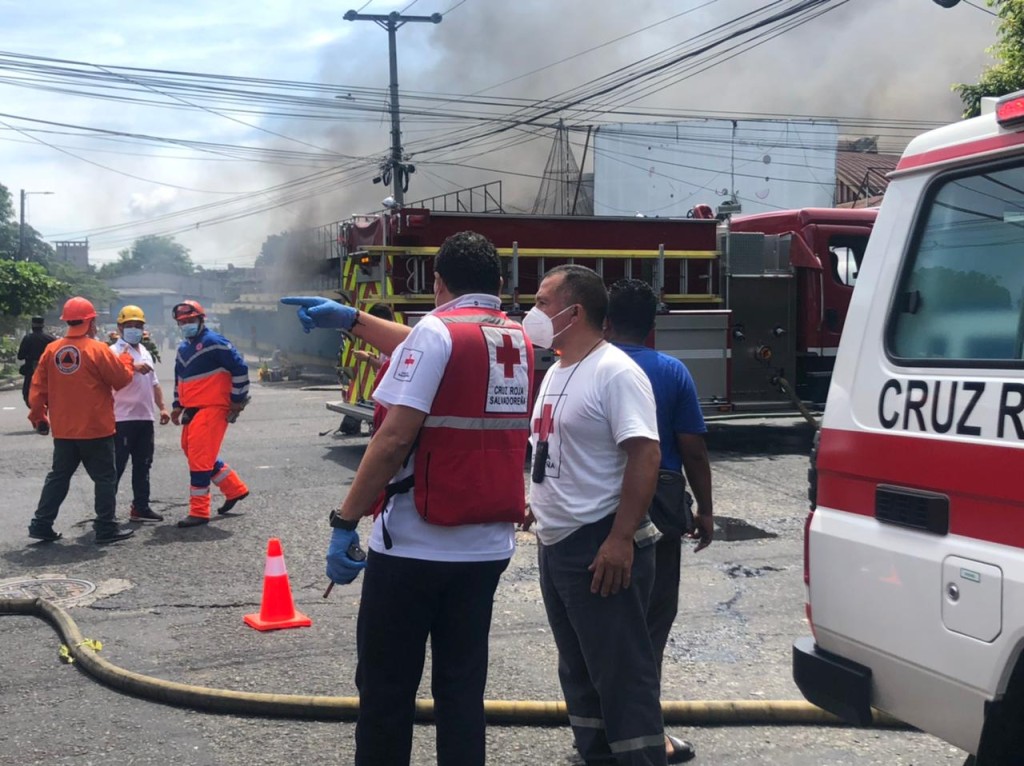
<point x="132" y="335"/>
<point x="541" y="328"/>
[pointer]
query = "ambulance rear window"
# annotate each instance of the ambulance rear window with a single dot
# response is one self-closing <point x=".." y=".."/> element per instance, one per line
<point x="961" y="294"/>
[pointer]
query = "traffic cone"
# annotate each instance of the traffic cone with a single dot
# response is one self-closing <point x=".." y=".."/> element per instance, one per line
<point x="277" y="610"/>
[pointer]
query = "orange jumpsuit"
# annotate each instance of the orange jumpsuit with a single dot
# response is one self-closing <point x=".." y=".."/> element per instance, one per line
<point x="209" y="375"/>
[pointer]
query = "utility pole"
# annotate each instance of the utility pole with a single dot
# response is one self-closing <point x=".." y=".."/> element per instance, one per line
<point x="394" y="169"/>
<point x="21" y="224"/>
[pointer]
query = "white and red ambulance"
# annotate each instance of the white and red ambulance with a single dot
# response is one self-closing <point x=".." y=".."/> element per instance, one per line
<point x="914" y="548"/>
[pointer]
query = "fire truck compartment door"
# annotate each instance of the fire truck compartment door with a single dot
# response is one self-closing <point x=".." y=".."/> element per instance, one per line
<point x="972" y="598"/>
<point x="700" y="339"/>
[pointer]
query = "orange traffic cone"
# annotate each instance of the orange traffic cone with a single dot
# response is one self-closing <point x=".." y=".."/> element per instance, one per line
<point x="278" y="609"/>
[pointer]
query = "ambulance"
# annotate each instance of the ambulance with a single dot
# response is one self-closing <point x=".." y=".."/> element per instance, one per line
<point x="913" y="555"/>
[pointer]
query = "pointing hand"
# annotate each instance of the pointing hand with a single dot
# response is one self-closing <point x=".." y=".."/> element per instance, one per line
<point x="322" y="312"/>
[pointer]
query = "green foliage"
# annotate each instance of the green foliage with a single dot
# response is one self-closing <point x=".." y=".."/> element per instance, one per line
<point x="8" y="357"/>
<point x="26" y="288"/>
<point x="153" y="254"/>
<point x="1006" y="75"/>
<point x="41" y="282"/>
<point x="82" y="282"/>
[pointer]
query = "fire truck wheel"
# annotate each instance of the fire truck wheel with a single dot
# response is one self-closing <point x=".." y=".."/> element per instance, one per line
<point x="349" y="425"/>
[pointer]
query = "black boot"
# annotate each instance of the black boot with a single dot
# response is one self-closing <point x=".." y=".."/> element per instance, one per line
<point x="192" y="521"/>
<point x="229" y="504"/>
<point x="113" y="535"/>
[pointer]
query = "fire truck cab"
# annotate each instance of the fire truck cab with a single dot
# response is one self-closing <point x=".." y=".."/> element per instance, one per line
<point x="913" y="546"/>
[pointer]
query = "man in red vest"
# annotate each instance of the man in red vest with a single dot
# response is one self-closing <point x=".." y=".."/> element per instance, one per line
<point x="449" y="458"/>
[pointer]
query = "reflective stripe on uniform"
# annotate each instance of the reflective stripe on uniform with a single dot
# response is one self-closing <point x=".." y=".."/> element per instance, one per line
<point x="637" y="743"/>
<point x="476" y="424"/>
<point x="198" y="491"/>
<point x="586" y="723"/>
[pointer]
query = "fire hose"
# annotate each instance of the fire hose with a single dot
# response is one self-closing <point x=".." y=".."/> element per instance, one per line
<point x="84" y="653"/>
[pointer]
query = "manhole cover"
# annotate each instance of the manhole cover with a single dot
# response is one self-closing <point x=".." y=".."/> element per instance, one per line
<point x="60" y="590"/>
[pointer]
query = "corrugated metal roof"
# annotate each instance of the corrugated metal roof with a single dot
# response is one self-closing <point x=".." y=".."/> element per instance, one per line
<point x="860" y="175"/>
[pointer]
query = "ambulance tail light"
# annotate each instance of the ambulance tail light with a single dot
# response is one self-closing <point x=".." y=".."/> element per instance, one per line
<point x="1010" y="109"/>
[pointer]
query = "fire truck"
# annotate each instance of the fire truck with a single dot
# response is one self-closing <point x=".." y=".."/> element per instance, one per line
<point x="753" y="306"/>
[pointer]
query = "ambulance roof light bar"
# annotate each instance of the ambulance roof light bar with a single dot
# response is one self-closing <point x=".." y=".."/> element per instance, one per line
<point x="1010" y="109"/>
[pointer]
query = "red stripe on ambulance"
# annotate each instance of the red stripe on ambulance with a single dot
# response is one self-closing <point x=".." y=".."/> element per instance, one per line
<point x="982" y="481"/>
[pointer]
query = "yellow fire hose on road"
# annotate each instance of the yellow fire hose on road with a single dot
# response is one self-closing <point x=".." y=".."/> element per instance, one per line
<point x="83" y="653"/>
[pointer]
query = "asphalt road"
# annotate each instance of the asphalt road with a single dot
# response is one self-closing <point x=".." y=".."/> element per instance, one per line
<point x="169" y="603"/>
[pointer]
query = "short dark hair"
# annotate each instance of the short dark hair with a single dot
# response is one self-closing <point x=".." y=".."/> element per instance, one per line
<point x="632" y="306"/>
<point x="381" y="311"/>
<point x="37" y="321"/>
<point x="584" y="286"/>
<point x="468" y="263"/>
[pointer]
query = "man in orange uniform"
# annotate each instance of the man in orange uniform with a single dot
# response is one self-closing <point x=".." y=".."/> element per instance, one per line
<point x="72" y="397"/>
<point x="211" y="386"/>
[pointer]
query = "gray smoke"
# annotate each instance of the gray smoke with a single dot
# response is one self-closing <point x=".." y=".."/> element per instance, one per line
<point x="882" y="59"/>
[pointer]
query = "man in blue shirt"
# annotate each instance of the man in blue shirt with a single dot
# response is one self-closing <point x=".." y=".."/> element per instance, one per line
<point x="632" y="306"/>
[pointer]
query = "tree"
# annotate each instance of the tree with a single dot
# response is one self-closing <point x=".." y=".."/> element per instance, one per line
<point x="26" y="288"/>
<point x="81" y="282"/>
<point x="155" y="254"/>
<point x="8" y="226"/>
<point x="1007" y="74"/>
<point x="36" y="249"/>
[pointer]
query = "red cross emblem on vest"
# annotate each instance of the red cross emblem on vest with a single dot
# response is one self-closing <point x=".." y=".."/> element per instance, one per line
<point x="508" y="355"/>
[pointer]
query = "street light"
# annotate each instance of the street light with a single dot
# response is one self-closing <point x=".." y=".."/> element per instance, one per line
<point x="21" y="225"/>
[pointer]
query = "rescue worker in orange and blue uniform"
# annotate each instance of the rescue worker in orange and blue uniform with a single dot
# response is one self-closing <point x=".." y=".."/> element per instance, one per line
<point x="211" y="386"/>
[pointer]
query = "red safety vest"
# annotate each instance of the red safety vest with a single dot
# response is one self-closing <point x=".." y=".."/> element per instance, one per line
<point x="472" y="447"/>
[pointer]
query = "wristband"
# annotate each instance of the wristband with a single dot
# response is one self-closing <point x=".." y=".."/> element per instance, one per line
<point x="337" y="522"/>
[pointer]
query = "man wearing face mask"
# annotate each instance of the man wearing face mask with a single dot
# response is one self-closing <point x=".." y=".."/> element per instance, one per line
<point x="71" y="396"/>
<point x="135" y="409"/>
<point x="449" y="457"/>
<point x="595" y="467"/>
<point x="211" y="387"/>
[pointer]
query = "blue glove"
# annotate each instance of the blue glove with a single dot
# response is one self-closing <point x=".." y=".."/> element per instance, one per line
<point x="321" y="312"/>
<point x="342" y="568"/>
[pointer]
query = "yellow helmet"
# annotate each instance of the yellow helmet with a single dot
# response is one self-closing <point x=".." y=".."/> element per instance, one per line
<point x="131" y="314"/>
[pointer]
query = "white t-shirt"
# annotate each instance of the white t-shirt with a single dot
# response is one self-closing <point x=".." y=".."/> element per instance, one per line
<point x="588" y="415"/>
<point x="135" y="401"/>
<point x="412" y="380"/>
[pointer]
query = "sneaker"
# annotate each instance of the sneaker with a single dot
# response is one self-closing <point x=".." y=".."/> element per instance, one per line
<point x="192" y="521"/>
<point x="147" y="515"/>
<point x="113" y="535"/>
<point x="230" y="503"/>
<point x="44" y="533"/>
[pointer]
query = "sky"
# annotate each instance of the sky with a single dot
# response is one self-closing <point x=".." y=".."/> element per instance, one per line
<point x="214" y="178"/>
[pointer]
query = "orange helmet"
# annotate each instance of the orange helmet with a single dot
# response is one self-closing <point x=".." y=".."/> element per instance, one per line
<point x="188" y="310"/>
<point x="77" y="309"/>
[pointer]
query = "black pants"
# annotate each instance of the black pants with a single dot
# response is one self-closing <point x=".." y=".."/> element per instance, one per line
<point x="664" y="602"/>
<point x="135" y="440"/>
<point x="605" y="661"/>
<point x="26" y="384"/>
<point x="97" y="455"/>
<point x="403" y="602"/>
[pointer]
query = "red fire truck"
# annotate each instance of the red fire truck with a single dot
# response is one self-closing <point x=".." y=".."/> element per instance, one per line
<point x="754" y="307"/>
